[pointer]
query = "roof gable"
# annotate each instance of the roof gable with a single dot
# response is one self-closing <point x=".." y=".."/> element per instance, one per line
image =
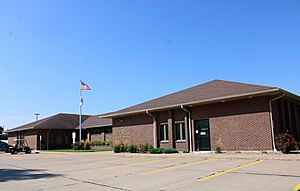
<point x="58" y="121"/>
<point x="209" y="90"/>
<point x="96" y="121"/>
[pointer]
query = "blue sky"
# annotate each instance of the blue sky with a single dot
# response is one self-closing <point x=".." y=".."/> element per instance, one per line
<point x="132" y="51"/>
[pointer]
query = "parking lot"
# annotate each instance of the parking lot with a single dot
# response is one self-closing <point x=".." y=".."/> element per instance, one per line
<point x="107" y="171"/>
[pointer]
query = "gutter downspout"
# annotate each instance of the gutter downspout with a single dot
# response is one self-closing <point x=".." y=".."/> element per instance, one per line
<point x="271" y="121"/>
<point x="190" y="127"/>
<point x="154" y="129"/>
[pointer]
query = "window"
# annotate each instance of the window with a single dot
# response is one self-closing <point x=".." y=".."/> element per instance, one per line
<point x="163" y="129"/>
<point x="108" y="131"/>
<point x="58" y="140"/>
<point x="68" y="140"/>
<point x="100" y="130"/>
<point x="180" y="131"/>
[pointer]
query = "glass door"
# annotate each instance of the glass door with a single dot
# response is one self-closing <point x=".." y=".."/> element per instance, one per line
<point x="202" y="135"/>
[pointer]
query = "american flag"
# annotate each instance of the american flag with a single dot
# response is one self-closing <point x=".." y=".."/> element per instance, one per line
<point x="84" y="86"/>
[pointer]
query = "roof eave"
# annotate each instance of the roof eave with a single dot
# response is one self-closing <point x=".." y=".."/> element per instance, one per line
<point x="34" y="128"/>
<point x="189" y="104"/>
<point x="294" y="96"/>
<point x="21" y="129"/>
<point x="94" y="126"/>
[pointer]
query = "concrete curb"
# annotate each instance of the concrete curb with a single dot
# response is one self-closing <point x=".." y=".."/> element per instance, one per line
<point x="273" y="156"/>
<point x="211" y="155"/>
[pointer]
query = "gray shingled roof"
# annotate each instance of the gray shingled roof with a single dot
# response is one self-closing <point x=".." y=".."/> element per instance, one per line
<point x="58" y="121"/>
<point x="216" y="89"/>
<point x="95" y="121"/>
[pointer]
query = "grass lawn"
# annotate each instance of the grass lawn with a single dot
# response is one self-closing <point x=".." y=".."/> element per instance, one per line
<point x="72" y="150"/>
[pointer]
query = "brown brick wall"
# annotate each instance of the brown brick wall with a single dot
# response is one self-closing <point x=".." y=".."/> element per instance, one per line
<point x="29" y="135"/>
<point x="136" y="129"/>
<point x="181" y="146"/>
<point x="171" y="117"/>
<point x="101" y="137"/>
<point x="11" y="137"/>
<point x="108" y="137"/>
<point x="164" y="144"/>
<point x="43" y="143"/>
<point x="238" y="125"/>
<point x="97" y="137"/>
<point x="234" y="125"/>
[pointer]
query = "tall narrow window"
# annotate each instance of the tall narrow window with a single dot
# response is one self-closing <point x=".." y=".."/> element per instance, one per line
<point x="180" y="131"/>
<point x="59" y="140"/>
<point x="163" y="129"/>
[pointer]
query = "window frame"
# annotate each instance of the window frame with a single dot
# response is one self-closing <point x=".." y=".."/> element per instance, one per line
<point x="181" y="130"/>
<point x="165" y="130"/>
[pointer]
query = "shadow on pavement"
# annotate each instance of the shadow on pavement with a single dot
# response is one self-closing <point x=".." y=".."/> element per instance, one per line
<point x="23" y="174"/>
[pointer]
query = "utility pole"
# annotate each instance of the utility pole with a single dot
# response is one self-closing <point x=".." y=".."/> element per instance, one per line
<point x="36" y="116"/>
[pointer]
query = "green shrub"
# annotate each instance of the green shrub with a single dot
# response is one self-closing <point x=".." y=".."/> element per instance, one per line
<point x="218" y="149"/>
<point x="144" y="148"/>
<point x="100" y="143"/>
<point x="117" y="148"/>
<point x="169" y="150"/>
<point x="86" y="145"/>
<point x="132" y="148"/>
<point x="97" y="143"/>
<point x="285" y="142"/>
<point x="155" y="151"/>
<point x="298" y="146"/>
<point x="162" y="150"/>
<point x="74" y="146"/>
<point x="123" y="148"/>
<point x="81" y="145"/>
<point x="78" y="145"/>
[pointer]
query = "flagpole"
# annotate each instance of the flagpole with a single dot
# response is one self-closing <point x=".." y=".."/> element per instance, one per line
<point x="80" y="113"/>
<point x="83" y="86"/>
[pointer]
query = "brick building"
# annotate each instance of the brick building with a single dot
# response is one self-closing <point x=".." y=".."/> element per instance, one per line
<point x="56" y="132"/>
<point x="97" y="129"/>
<point x="234" y="116"/>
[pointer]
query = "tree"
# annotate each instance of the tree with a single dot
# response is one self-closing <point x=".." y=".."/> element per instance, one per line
<point x="1" y="130"/>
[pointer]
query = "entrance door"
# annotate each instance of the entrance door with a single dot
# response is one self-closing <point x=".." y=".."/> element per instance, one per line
<point x="202" y="135"/>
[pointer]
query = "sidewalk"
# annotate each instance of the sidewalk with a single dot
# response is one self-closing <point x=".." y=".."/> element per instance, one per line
<point x="227" y="155"/>
<point x="195" y="155"/>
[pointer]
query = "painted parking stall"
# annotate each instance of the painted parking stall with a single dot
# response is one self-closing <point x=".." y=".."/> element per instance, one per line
<point x="107" y="171"/>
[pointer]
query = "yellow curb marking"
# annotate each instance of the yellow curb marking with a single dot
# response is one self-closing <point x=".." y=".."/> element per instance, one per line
<point x="229" y="170"/>
<point x="175" y="167"/>
<point x="297" y="187"/>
